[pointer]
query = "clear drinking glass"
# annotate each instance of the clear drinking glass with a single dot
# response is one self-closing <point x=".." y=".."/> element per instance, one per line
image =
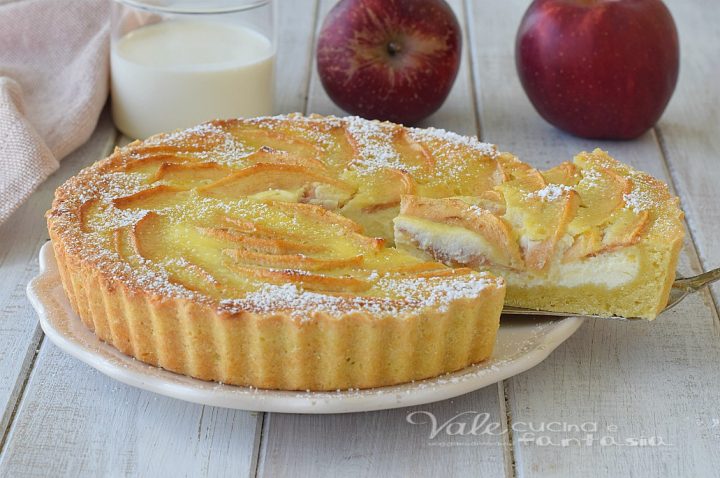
<point x="178" y="63"/>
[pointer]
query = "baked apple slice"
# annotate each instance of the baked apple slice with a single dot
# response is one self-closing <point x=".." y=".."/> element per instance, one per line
<point x="157" y="197"/>
<point x="189" y="175"/>
<point x="584" y="245"/>
<point x="378" y="201"/>
<point x="292" y="261"/>
<point x="181" y="143"/>
<point x="601" y="193"/>
<point x="540" y="216"/>
<point x="624" y="229"/>
<point x="565" y="173"/>
<point x="268" y="155"/>
<point x="469" y="162"/>
<point x="261" y="178"/>
<point x="148" y="237"/>
<point x="308" y="281"/>
<point x="510" y="168"/>
<point x="148" y="165"/>
<point x="454" y="232"/>
<point x="491" y="201"/>
<point x="273" y="244"/>
<point x="254" y="138"/>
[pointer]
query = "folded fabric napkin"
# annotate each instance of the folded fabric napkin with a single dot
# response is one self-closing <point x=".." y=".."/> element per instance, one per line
<point x="53" y="84"/>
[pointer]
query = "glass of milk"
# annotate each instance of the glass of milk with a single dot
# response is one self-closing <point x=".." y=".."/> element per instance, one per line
<point x="178" y="63"/>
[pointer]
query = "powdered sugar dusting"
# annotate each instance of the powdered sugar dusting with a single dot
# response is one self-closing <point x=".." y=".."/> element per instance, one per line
<point x="230" y="152"/>
<point x="477" y="210"/>
<point x="439" y="293"/>
<point x="184" y="137"/>
<point x="591" y="178"/>
<point x="453" y="139"/>
<point x="375" y="144"/>
<point x="310" y="127"/>
<point x="638" y="201"/>
<point x="409" y="295"/>
<point x="551" y="192"/>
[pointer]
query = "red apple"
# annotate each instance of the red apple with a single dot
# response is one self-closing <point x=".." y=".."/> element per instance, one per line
<point x="392" y="60"/>
<point x="598" y="68"/>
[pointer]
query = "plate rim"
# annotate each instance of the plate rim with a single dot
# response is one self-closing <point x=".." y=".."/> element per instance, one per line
<point x="138" y="374"/>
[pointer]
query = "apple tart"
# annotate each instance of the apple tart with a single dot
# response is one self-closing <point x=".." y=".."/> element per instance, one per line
<point x="319" y="253"/>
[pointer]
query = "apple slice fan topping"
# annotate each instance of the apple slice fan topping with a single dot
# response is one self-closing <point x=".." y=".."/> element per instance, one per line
<point x="285" y="211"/>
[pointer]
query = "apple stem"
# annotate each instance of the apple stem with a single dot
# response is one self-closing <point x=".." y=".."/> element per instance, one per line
<point x="394" y="48"/>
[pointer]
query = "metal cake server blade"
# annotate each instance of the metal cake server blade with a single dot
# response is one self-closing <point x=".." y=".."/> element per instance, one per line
<point x="681" y="288"/>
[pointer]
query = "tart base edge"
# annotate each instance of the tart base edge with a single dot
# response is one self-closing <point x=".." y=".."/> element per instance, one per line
<point x="276" y="350"/>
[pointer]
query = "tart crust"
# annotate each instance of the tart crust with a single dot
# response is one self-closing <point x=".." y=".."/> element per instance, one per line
<point x="275" y="350"/>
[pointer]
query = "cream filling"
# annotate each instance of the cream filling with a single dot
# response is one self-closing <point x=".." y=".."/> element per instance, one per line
<point x="449" y="243"/>
<point x="610" y="269"/>
<point x="457" y="244"/>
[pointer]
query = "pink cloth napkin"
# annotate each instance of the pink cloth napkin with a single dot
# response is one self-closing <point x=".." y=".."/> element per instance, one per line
<point x="53" y="85"/>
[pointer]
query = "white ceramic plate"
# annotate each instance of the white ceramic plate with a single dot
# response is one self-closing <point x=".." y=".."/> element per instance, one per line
<point x="521" y="344"/>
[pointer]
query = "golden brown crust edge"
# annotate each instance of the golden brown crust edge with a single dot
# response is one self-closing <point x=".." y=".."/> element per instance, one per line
<point x="276" y="351"/>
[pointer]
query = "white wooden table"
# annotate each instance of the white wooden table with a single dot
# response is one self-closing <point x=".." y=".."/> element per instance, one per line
<point x="654" y="385"/>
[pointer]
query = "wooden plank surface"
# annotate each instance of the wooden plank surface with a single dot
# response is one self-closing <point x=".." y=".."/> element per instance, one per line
<point x="690" y="129"/>
<point x="384" y="443"/>
<point x="74" y="421"/>
<point x="20" y="240"/>
<point x="296" y="43"/>
<point x="647" y="379"/>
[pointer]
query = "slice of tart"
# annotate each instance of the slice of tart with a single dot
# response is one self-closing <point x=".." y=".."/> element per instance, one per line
<point x="592" y="236"/>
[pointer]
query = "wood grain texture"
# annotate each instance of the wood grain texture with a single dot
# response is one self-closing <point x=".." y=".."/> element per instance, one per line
<point x="295" y="54"/>
<point x="81" y="423"/>
<point x="74" y="421"/>
<point x="384" y="443"/>
<point x="20" y="240"/>
<point x="78" y="422"/>
<point x="647" y="379"/>
<point x="689" y="129"/>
